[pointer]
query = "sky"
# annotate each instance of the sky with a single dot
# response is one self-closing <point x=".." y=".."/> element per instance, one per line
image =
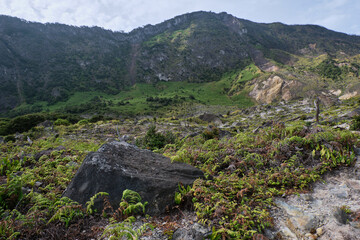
<point x="125" y="15"/>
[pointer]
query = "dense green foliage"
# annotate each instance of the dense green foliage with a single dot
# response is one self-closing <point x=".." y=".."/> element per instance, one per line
<point x="154" y="140"/>
<point x="26" y="122"/>
<point x="356" y="123"/>
<point x="328" y="69"/>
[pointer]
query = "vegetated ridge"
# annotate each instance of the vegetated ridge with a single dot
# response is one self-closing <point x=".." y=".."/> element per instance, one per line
<point x="43" y="65"/>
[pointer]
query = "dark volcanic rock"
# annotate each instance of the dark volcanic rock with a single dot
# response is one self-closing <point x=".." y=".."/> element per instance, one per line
<point x="354" y="113"/>
<point x="117" y="166"/>
<point x="208" y="117"/>
<point x="47" y="152"/>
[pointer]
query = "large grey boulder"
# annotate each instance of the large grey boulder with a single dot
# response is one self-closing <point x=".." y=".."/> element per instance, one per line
<point x="208" y="117"/>
<point x="117" y="166"/>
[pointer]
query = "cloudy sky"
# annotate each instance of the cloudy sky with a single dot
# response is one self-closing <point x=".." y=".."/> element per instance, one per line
<point x="338" y="15"/>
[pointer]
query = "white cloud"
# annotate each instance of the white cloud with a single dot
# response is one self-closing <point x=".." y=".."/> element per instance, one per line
<point x="341" y="15"/>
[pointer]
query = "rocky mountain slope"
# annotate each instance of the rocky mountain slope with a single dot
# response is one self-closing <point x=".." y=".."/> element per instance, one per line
<point x="50" y="62"/>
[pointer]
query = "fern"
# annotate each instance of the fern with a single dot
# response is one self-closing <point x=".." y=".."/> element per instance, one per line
<point x="40" y="202"/>
<point x="11" y="193"/>
<point x="131" y="203"/>
<point x="131" y="196"/>
<point x="182" y="192"/>
<point x="7" y="230"/>
<point x="8" y="224"/>
<point x="67" y="210"/>
<point x="7" y="166"/>
<point x="89" y="204"/>
<point x="135" y="208"/>
<point x="125" y="229"/>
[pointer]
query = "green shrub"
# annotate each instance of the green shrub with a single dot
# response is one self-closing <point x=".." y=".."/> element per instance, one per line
<point x="210" y="133"/>
<point x="22" y="123"/>
<point x="83" y="122"/>
<point x="10" y="193"/>
<point x="356" y="123"/>
<point x="154" y="140"/>
<point x="60" y="121"/>
<point x="328" y="69"/>
<point x="8" y="165"/>
<point x="10" y="138"/>
<point x="97" y="118"/>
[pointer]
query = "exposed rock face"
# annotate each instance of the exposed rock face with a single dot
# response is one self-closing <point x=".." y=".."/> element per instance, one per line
<point x="348" y="95"/>
<point x="321" y="214"/>
<point x="117" y="166"/>
<point x="196" y="232"/>
<point x="274" y="88"/>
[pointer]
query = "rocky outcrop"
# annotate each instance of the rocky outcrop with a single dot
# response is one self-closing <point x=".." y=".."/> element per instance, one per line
<point x="326" y="213"/>
<point x="195" y="232"/>
<point x="208" y="117"/>
<point x="117" y="166"/>
<point x="275" y="88"/>
<point x="348" y="95"/>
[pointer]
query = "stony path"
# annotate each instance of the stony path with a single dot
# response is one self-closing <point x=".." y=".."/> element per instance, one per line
<point x="327" y="213"/>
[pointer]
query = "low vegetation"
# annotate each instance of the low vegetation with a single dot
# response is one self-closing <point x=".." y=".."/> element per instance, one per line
<point x="245" y="169"/>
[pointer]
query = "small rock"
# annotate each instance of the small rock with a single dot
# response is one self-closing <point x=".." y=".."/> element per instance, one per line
<point x="231" y="167"/>
<point x="319" y="231"/>
<point x="124" y="138"/>
<point x="208" y="117"/>
<point x="201" y="229"/>
<point x="341" y="191"/>
<point x="357" y="151"/>
<point x="184" y="234"/>
<point x="60" y="148"/>
<point x="197" y="232"/>
<point x="307" y="197"/>
<point x="236" y="124"/>
<point x="310" y="236"/>
<point x="38" y="184"/>
<point x="46" y="124"/>
<point x="72" y="164"/>
<point x="355" y="224"/>
<point x="354" y="113"/>
<point x="25" y="190"/>
<point x="303" y="221"/>
<point x="341" y="216"/>
<point x="342" y="126"/>
<point x="313" y="237"/>
<point x="19" y="173"/>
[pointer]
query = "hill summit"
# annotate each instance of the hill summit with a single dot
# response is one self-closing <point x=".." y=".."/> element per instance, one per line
<point x="48" y="63"/>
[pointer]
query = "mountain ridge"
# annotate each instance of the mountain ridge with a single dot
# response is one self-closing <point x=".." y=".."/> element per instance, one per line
<point x="50" y="62"/>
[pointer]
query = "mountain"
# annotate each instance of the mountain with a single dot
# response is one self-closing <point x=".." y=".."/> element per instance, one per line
<point x="50" y="62"/>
